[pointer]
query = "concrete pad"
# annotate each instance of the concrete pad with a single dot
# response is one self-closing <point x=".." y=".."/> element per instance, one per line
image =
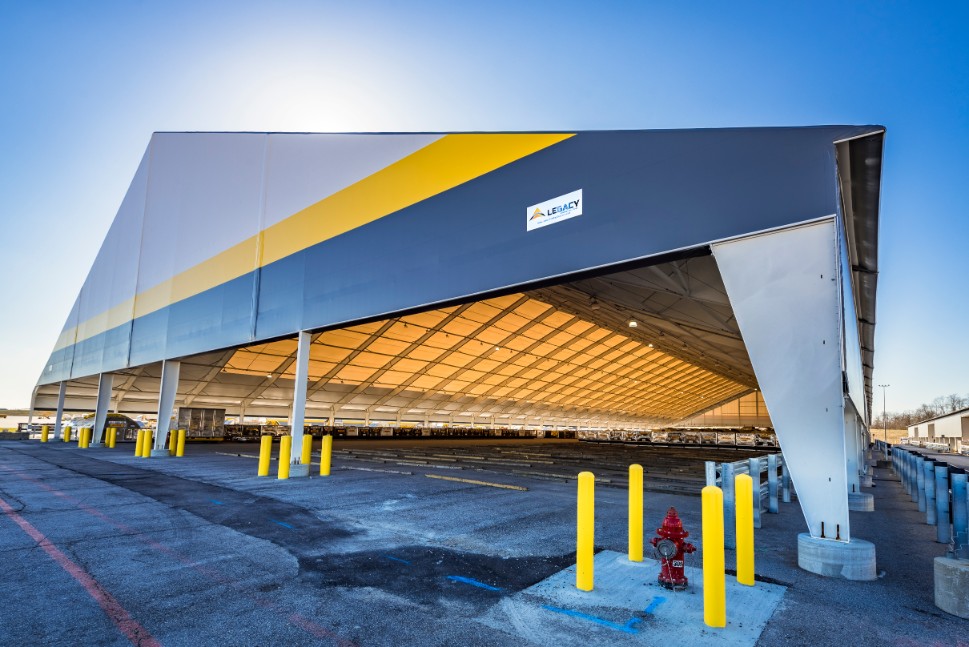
<point x="861" y="502"/>
<point x="297" y="471"/>
<point x="160" y="453"/>
<point x="852" y="560"/>
<point x="952" y="586"/>
<point x="628" y="604"/>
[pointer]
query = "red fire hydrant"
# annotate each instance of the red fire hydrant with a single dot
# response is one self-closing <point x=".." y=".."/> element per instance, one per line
<point x="672" y="548"/>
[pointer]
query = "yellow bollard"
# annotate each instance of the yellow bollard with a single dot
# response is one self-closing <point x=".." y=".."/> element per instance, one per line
<point x="744" y="492"/>
<point x="585" y="532"/>
<point x="172" y="441"/>
<point x="138" y="442"/>
<point x="326" y="455"/>
<point x="180" y="444"/>
<point x="635" y="513"/>
<point x="285" y="446"/>
<point x="89" y="432"/>
<point x="148" y="444"/>
<point x="306" y="457"/>
<point x="714" y="582"/>
<point x="265" y="454"/>
<point x="112" y="437"/>
<point x="80" y="437"/>
<point x="67" y="434"/>
<point x="44" y="431"/>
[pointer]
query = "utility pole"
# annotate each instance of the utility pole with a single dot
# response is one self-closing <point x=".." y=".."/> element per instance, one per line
<point x="884" y="417"/>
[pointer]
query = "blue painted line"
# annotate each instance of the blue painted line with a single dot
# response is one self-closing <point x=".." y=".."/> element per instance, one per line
<point x="216" y="502"/>
<point x="628" y="628"/>
<point x="654" y="604"/>
<point x="397" y="559"/>
<point x="468" y="580"/>
<point x="282" y="523"/>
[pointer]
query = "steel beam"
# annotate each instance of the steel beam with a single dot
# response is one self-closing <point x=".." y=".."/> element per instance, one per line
<point x="166" y="401"/>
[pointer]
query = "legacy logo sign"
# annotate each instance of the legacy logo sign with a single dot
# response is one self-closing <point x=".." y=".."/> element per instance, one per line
<point x="554" y="210"/>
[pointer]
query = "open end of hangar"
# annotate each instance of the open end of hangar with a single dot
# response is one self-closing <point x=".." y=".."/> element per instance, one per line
<point x="649" y="346"/>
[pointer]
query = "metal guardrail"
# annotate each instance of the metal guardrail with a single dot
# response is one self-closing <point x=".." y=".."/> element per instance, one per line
<point x="776" y="487"/>
<point x="941" y="492"/>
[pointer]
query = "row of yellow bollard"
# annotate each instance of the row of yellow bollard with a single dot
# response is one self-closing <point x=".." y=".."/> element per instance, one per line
<point x="285" y="454"/>
<point x="144" y="443"/>
<point x="714" y="580"/>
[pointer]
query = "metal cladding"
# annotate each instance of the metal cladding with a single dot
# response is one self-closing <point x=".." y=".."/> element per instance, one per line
<point x="227" y="239"/>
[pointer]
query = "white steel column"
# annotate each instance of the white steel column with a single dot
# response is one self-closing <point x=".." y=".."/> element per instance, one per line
<point x="105" y="382"/>
<point x="166" y="403"/>
<point x="852" y="449"/>
<point x="783" y="287"/>
<point x="299" y="403"/>
<point x="58" y="419"/>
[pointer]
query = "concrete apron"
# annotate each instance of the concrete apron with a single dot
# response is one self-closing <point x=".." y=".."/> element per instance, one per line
<point x="628" y="604"/>
<point x="854" y="560"/>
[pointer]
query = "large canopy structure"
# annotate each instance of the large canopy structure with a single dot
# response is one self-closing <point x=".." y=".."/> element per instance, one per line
<point x="627" y="278"/>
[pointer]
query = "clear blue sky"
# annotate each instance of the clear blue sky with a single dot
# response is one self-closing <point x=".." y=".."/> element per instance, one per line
<point x="85" y="84"/>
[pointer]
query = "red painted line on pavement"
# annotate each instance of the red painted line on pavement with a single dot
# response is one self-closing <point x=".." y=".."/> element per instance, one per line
<point x="296" y="619"/>
<point x="130" y="627"/>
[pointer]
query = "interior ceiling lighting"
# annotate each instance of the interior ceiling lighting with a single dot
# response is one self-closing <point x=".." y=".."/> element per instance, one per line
<point x="632" y="323"/>
<point x="551" y="362"/>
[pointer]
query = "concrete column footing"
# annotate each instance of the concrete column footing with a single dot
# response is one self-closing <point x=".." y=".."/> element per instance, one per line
<point x="852" y="560"/>
<point x="861" y="502"/>
<point x="952" y="586"/>
<point x="159" y="453"/>
<point x="295" y="471"/>
<point x="866" y="481"/>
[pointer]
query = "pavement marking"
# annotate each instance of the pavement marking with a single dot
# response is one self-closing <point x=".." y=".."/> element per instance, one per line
<point x="283" y="524"/>
<point x="654" y="604"/>
<point x="373" y="469"/>
<point x="294" y="618"/>
<point x="472" y="582"/>
<point x="397" y="559"/>
<point x="474" y="482"/>
<point x="216" y="502"/>
<point x="130" y="627"/>
<point x="629" y="627"/>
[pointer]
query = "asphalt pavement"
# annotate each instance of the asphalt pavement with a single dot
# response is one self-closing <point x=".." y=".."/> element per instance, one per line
<point x="100" y="547"/>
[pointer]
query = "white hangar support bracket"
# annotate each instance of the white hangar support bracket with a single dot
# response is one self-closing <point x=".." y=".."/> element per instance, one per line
<point x="784" y="289"/>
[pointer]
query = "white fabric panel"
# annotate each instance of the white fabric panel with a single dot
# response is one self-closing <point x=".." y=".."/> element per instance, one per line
<point x="204" y="196"/>
<point x="113" y="275"/>
<point x="784" y="291"/>
<point x="949" y="427"/>
<point x="304" y="169"/>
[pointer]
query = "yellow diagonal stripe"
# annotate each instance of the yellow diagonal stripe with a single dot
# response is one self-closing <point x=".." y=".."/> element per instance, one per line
<point x="438" y="167"/>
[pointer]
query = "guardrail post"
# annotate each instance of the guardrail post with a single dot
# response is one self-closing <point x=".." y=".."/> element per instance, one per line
<point x="942" y="533"/>
<point x="772" y="504"/>
<point x="960" y="513"/>
<point x="920" y="482"/>
<point x="929" y="467"/>
<point x="753" y="468"/>
<point x="729" y="505"/>
<point x="785" y="480"/>
<point x="711" y="472"/>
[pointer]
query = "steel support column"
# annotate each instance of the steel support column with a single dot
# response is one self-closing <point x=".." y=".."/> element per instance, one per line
<point x="298" y="414"/>
<point x="59" y="418"/>
<point x="166" y="401"/>
<point x="105" y="382"/>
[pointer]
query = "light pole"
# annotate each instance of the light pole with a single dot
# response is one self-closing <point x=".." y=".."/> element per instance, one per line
<point x="884" y="418"/>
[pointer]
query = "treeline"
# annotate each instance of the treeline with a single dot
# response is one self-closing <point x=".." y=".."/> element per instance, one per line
<point x="939" y="407"/>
